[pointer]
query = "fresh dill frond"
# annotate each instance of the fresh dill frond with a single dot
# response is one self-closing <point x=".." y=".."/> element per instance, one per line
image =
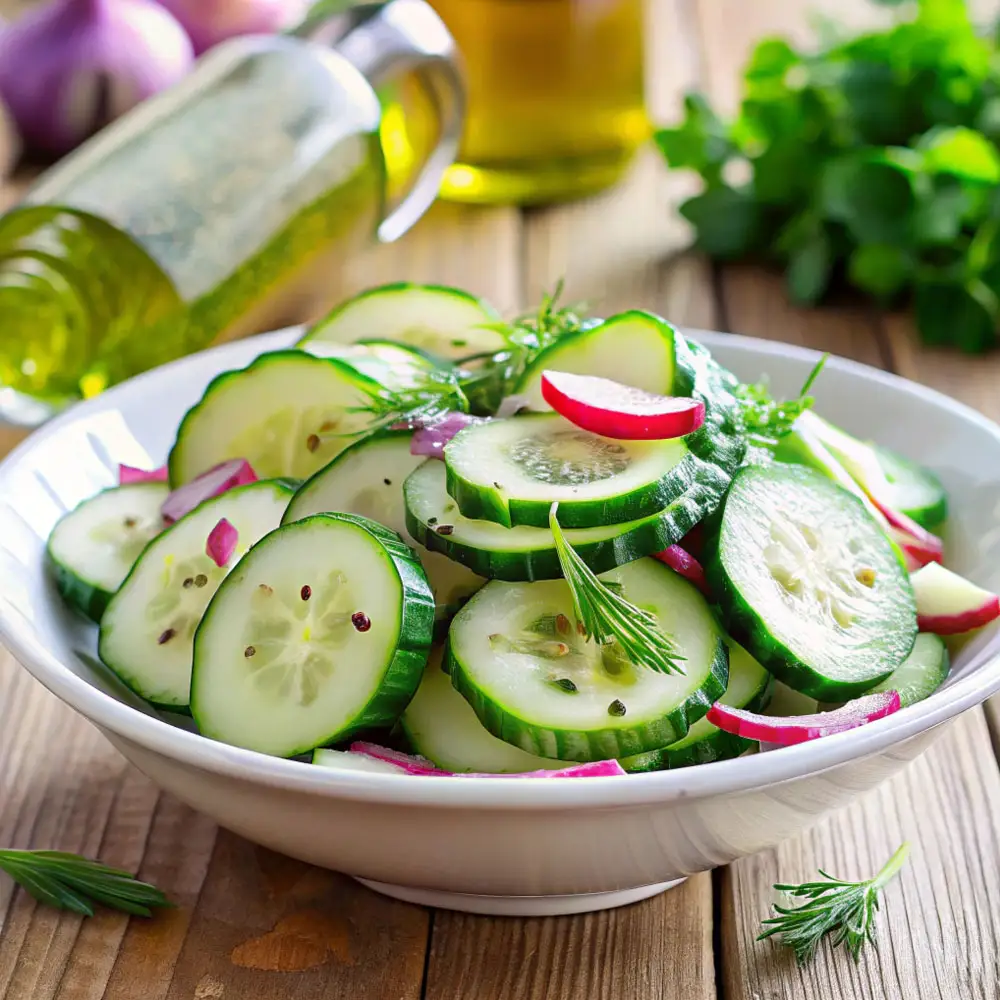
<point x="767" y="420"/>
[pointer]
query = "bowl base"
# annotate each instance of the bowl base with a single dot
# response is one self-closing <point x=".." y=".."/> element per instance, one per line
<point x="520" y="906"/>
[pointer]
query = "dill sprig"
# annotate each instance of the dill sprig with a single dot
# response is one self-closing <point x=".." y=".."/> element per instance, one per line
<point x="844" y="909"/>
<point x="607" y="617"/>
<point x="767" y="420"/>
<point x="437" y="393"/>
<point x="70" y="882"/>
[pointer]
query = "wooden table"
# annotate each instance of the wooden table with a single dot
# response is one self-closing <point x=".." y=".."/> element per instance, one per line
<point x="252" y="924"/>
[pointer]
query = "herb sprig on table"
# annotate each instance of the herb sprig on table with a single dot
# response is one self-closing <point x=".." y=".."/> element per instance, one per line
<point x="872" y="158"/>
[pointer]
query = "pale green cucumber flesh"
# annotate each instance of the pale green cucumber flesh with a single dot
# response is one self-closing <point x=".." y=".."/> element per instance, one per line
<point x="525" y="553"/>
<point x="446" y="322"/>
<point x="92" y="548"/>
<point x="516" y="656"/>
<point x="147" y="631"/>
<point x="808" y="582"/>
<point x="921" y="673"/>
<point x="749" y="687"/>
<point x="367" y="479"/>
<point x="282" y="661"/>
<point x="287" y="413"/>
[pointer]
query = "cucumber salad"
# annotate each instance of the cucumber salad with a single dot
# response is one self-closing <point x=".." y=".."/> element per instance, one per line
<point x="431" y="542"/>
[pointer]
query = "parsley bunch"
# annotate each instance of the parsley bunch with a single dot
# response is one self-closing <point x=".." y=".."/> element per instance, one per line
<point x="873" y="159"/>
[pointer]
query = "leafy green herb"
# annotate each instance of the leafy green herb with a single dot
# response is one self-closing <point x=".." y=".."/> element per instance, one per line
<point x="70" y="882"/>
<point x="766" y="419"/>
<point x="846" y="910"/>
<point x="439" y="392"/>
<point x="607" y="617"/>
<point x="872" y="158"/>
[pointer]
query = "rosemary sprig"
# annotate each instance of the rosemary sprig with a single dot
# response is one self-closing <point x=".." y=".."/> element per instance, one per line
<point x="767" y="420"/>
<point x="70" y="882"/>
<point x="844" y="909"/>
<point x="607" y="617"/>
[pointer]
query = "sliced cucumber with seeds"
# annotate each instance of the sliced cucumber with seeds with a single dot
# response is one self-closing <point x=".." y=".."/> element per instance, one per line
<point x="921" y="673"/>
<point x="148" y="629"/>
<point x="516" y="656"/>
<point x="444" y="321"/>
<point x="809" y="583"/>
<point x="512" y="471"/>
<point x="441" y="726"/>
<point x="917" y="492"/>
<point x="367" y="479"/>
<point x="320" y="632"/>
<point x="635" y="348"/>
<point x="523" y="553"/>
<point x="287" y="414"/>
<point x="93" y="547"/>
<point x="391" y="365"/>
<point x="750" y="687"/>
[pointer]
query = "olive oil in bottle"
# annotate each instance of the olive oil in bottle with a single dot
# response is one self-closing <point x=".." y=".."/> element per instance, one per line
<point x="555" y="90"/>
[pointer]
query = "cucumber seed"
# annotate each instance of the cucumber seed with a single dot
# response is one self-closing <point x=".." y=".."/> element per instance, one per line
<point x="388" y="482"/>
<point x="130" y="522"/>
<point x="865" y="576"/>
<point x="188" y="582"/>
<point x="562" y="624"/>
<point x="565" y="684"/>
<point x="265" y="589"/>
<point x="249" y="651"/>
<point x="616" y="708"/>
<point x="165" y="636"/>
<point x="431" y="521"/>
<point x="306" y="592"/>
<point x="445" y="529"/>
<point x="361" y="621"/>
<point x="201" y="580"/>
<point x="312" y="442"/>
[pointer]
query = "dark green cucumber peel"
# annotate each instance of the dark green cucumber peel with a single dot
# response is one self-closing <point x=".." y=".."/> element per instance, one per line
<point x="635" y="540"/>
<point x="598" y="744"/>
<point x="698" y="482"/>
<point x="402" y="676"/>
<point x="829" y="664"/>
<point x="86" y="598"/>
<point x="921" y="494"/>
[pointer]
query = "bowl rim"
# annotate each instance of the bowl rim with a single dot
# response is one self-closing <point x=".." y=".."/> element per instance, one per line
<point x="120" y="721"/>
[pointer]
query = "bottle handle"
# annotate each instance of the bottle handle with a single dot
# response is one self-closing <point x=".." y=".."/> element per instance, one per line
<point x="395" y="37"/>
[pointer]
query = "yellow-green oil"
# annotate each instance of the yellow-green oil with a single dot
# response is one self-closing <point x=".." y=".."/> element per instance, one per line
<point x="556" y="97"/>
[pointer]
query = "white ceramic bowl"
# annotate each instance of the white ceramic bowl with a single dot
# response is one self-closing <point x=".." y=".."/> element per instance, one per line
<point x="499" y="845"/>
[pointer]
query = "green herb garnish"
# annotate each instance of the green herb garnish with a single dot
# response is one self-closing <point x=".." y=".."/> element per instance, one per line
<point x="767" y="420"/>
<point x="438" y="393"/>
<point x="846" y="910"/>
<point x="871" y="156"/>
<point x="607" y="617"/>
<point x="69" y="882"/>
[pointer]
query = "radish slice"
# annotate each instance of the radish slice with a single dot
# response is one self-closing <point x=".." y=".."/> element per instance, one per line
<point x="411" y="764"/>
<point x="620" y="411"/>
<point x="948" y="604"/>
<point x="682" y="562"/>
<point x="431" y="440"/>
<point x="218" y="479"/>
<point x="221" y="543"/>
<point x="128" y="474"/>
<point x="919" y="545"/>
<point x="791" y="729"/>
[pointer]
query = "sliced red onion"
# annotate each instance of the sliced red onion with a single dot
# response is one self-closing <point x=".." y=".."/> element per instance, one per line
<point x="790" y="729"/>
<point x="430" y="441"/>
<point x="128" y="474"/>
<point x="209" y="22"/>
<point x="221" y="543"/>
<point x="10" y="141"/>
<point x="218" y="479"/>
<point x="919" y="545"/>
<point x="684" y="564"/>
<point x="70" y="67"/>
<point x="420" y="765"/>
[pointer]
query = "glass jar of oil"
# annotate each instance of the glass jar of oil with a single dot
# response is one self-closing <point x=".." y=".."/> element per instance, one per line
<point x="556" y="99"/>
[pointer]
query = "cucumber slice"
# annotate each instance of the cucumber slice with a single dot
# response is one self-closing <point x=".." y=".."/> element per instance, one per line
<point x="367" y="479"/>
<point x="342" y="760"/>
<point x="93" y="547"/>
<point x="391" y="365"/>
<point x="917" y="492"/>
<point x="148" y="629"/>
<point x="446" y="322"/>
<point x="523" y="553"/>
<point x="535" y="683"/>
<point x="287" y="414"/>
<point x="635" y="348"/>
<point x="809" y="583"/>
<point x="321" y="631"/>
<point x="441" y="726"/>
<point x="750" y="687"/>
<point x="512" y="471"/>
<point x="921" y="673"/>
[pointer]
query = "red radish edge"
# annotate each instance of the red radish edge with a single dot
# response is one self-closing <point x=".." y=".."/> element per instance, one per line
<point x="919" y="545"/>
<point x="412" y="764"/>
<point x="213" y="483"/>
<point x="128" y="474"/>
<point x="618" y="411"/>
<point x="684" y="564"/>
<point x="791" y="729"/>
<point x="221" y="543"/>
<point x="430" y="441"/>
<point x="974" y="608"/>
